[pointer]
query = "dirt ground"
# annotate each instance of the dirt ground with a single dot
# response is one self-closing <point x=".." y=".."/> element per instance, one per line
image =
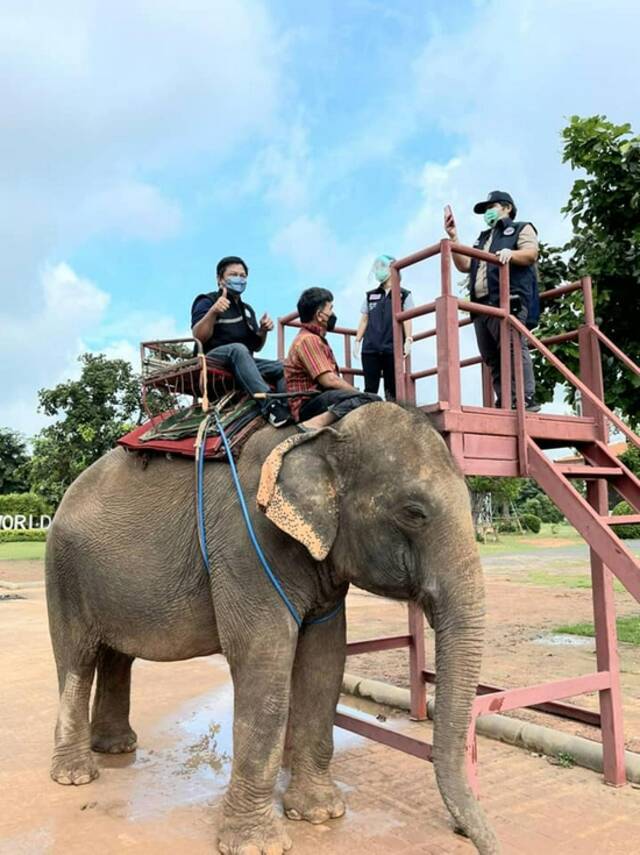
<point x="165" y="797"/>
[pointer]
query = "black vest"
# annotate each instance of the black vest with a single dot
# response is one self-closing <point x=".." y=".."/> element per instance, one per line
<point x="523" y="280"/>
<point x="378" y="336"/>
<point x="238" y="325"/>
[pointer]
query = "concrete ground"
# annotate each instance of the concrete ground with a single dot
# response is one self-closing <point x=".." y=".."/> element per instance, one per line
<point x="165" y="797"/>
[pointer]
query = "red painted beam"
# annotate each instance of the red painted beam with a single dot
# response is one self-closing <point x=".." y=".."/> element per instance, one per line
<point x="556" y="708"/>
<point x="399" y="741"/>
<point x="512" y="699"/>
<point x="390" y="642"/>
<point x="586" y="520"/>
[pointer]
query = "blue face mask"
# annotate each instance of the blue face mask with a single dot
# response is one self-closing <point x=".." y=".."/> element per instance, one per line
<point x="236" y="284"/>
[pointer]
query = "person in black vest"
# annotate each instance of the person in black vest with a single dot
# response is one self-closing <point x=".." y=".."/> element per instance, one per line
<point x="375" y="331"/>
<point x="516" y="244"/>
<point x="230" y="334"/>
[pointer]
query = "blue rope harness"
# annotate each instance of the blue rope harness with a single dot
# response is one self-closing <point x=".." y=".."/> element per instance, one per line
<point x="202" y="533"/>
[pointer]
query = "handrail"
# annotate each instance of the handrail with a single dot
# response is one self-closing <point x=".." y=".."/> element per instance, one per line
<point x="616" y="350"/>
<point x="421" y="255"/>
<point x="551" y="293"/>
<point x="291" y="320"/>
<point x="424" y="309"/>
<point x="575" y="381"/>
<point x="191" y="339"/>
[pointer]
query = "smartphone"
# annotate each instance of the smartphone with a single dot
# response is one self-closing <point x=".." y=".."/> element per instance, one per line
<point x="448" y="215"/>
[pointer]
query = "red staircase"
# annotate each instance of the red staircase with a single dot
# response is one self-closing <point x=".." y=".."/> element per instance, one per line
<point x="511" y="442"/>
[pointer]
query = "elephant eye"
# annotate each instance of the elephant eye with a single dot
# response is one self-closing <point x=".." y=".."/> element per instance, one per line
<point x="415" y="513"/>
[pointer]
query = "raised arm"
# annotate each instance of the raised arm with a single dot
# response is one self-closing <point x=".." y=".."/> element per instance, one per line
<point x="203" y="329"/>
<point x="462" y="262"/>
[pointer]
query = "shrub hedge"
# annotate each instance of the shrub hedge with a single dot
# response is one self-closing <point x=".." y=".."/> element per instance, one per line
<point x="23" y="503"/>
<point x="531" y="522"/>
<point x="21" y="535"/>
<point x="626" y="532"/>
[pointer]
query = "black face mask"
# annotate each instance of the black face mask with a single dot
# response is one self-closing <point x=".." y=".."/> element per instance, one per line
<point x="331" y="322"/>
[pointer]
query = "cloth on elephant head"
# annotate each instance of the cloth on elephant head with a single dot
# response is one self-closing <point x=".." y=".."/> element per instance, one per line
<point x="175" y="431"/>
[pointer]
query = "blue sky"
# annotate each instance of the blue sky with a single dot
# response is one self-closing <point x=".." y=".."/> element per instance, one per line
<point x="143" y="140"/>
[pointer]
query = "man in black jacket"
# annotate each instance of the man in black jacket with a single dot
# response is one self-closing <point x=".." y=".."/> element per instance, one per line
<point x="516" y="244"/>
<point x="230" y="334"/>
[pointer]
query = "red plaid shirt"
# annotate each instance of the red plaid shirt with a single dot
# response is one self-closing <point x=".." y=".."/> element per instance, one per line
<point x="309" y="356"/>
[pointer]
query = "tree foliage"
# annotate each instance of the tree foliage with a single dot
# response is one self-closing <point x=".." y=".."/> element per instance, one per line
<point x="92" y="412"/>
<point x="604" y="207"/>
<point x="14" y="462"/>
<point x="631" y="459"/>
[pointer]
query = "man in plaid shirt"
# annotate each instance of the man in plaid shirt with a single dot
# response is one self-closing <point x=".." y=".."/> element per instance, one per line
<point x="311" y="366"/>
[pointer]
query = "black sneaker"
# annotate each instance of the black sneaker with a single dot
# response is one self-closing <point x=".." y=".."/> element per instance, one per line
<point x="279" y="414"/>
<point x="531" y="405"/>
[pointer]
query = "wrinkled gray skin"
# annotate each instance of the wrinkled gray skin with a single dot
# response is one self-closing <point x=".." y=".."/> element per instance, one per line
<point x="377" y="493"/>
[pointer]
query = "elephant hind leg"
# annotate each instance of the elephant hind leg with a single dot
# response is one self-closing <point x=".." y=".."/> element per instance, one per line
<point x="111" y="732"/>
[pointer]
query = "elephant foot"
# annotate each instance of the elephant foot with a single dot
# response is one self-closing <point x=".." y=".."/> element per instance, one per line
<point x="74" y="770"/>
<point x="315" y="801"/>
<point x="253" y="834"/>
<point x="114" y="743"/>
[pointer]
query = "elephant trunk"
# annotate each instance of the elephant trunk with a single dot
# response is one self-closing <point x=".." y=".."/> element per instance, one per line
<point x="458" y="619"/>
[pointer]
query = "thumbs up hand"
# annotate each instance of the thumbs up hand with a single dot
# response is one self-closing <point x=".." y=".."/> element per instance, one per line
<point x="222" y="303"/>
<point x="266" y="324"/>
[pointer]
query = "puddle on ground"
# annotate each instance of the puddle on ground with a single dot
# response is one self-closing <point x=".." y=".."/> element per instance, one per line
<point x="565" y="640"/>
<point x="196" y="765"/>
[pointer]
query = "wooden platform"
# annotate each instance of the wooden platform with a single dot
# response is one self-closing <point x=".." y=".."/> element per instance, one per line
<point x="490" y="436"/>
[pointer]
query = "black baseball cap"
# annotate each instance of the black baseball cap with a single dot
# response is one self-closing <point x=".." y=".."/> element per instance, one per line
<point x="492" y="198"/>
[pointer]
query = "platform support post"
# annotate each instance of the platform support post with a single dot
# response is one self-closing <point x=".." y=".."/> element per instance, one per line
<point x="505" y="339"/>
<point x="604" y="613"/>
<point x="417" y="663"/>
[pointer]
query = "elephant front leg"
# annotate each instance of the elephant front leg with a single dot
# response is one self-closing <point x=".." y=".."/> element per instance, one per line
<point x="262" y="682"/>
<point x="317" y="679"/>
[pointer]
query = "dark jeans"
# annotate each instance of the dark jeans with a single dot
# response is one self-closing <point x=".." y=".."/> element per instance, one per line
<point x="374" y="365"/>
<point x="336" y="401"/>
<point x="488" y="337"/>
<point x="254" y="375"/>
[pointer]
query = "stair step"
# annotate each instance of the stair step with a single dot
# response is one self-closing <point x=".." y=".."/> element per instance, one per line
<point x="623" y="519"/>
<point x="577" y="470"/>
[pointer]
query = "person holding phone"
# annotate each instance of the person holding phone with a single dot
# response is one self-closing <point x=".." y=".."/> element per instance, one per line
<point x="514" y="243"/>
<point x="227" y="328"/>
<point x="375" y="330"/>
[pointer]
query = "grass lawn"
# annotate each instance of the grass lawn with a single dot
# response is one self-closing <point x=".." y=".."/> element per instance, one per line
<point x="565" y="580"/>
<point x="22" y="551"/>
<point x="628" y="629"/>
<point x="513" y="543"/>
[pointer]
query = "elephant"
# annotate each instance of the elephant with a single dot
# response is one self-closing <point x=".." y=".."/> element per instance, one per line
<point x="374" y="500"/>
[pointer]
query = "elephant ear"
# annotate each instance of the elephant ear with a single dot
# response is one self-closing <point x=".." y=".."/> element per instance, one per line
<point x="298" y="490"/>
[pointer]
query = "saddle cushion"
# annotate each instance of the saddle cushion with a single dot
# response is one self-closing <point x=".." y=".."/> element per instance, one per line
<point x="174" y="432"/>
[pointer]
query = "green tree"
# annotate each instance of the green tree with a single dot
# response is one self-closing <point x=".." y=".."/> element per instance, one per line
<point x="604" y="206"/>
<point x="504" y="491"/>
<point x="92" y="413"/>
<point x="631" y="459"/>
<point x="14" y="462"/>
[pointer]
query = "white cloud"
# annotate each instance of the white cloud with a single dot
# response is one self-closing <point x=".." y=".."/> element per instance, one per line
<point x="506" y="107"/>
<point x="98" y="101"/>
<point x="310" y="244"/>
<point x="41" y="347"/>
<point x="132" y="209"/>
<point x="282" y="170"/>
